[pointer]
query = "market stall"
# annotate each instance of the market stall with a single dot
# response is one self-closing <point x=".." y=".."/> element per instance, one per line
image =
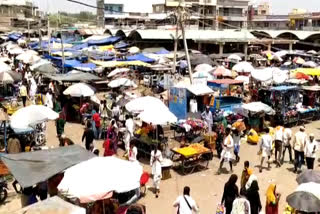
<point x="310" y="105"/>
<point x="191" y="158"/>
<point x="283" y="99"/>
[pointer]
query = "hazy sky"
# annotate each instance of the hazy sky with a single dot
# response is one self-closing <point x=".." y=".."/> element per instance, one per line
<point x="278" y="6"/>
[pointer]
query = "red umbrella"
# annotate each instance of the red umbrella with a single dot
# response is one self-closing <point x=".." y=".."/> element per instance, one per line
<point x="302" y="76"/>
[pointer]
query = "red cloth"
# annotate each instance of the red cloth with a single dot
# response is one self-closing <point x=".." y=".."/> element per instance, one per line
<point x="96" y="119"/>
<point x="144" y="178"/>
<point x="107" y="150"/>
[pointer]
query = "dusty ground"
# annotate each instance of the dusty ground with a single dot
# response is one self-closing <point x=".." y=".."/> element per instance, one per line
<point x="206" y="186"/>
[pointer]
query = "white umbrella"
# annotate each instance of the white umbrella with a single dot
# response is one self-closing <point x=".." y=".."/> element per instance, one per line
<point x="204" y="68"/>
<point x="118" y="71"/>
<point x="312" y="52"/>
<point x="243" y="67"/>
<point x="279" y="76"/>
<point x="29" y="59"/>
<point x="257" y="107"/>
<point x="203" y="74"/>
<point x="79" y="90"/>
<point x="121" y="82"/>
<point x="4" y="67"/>
<point x="262" y="74"/>
<point x="158" y="116"/>
<point x="5" y="77"/>
<point x="28" y="116"/>
<point x="109" y="173"/>
<point x="134" y="50"/>
<point x="4" y="59"/>
<point x="245" y="79"/>
<point x="39" y="63"/>
<point x="310" y="64"/>
<point x="234" y="57"/>
<point x="287" y="63"/>
<point x="141" y="104"/>
<point x="16" y="51"/>
<point x="281" y="53"/>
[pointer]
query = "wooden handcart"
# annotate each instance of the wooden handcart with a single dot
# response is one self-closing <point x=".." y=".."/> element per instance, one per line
<point x="189" y="163"/>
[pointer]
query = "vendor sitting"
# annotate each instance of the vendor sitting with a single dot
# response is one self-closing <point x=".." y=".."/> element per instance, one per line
<point x="145" y="130"/>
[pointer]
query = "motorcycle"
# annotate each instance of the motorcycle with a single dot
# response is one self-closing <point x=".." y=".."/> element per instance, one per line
<point x="3" y="190"/>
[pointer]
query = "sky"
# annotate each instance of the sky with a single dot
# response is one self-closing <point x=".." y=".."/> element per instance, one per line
<point x="277" y="6"/>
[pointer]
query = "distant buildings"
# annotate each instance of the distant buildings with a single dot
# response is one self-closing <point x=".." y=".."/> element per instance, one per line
<point x="303" y="20"/>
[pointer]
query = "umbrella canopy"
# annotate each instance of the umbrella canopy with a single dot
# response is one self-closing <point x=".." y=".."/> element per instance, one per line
<point x="309" y="176"/>
<point x="245" y="79"/>
<point x="16" y="51"/>
<point x="4" y="67"/>
<point x="134" y="50"/>
<point x="118" y="71"/>
<point x="197" y="59"/>
<point x="287" y="63"/>
<point x="312" y="52"/>
<point x="158" y="116"/>
<point x="26" y="54"/>
<point x="39" y="63"/>
<point x="310" y="64"/>
<point x="121" y="82"/>
<point x="125" y="176"/>
<point x="204" y="68"/>
<point x="29" y="116"/>
<point x="203" y="74"/>
<point x="46" y="68"/>
<point x="298" y="60"/>
<point x="256" y="107"/>
<point x="306" y="198"/>
<point x="281" y="53"/>
<point x="141" y="104"/>
<point x="234" y="57"/>
<point x="222" y="71"/>
<point x="30" y="59"/>
<point x="5" y="77"/>
<point x="79" y="90"/>
<point x="243" y="67"/>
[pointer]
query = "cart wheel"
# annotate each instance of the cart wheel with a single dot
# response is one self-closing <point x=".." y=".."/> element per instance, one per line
<point x="40" y="139"/>
<point x="187" y="168"/>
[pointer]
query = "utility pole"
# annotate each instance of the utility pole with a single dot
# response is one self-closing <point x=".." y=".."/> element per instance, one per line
<point x="28" y="30"/>
<point x="62" y="47"/>
<point x="181" y="23"/>
<point x="40" y="35"/>
<point x="176" y="39"/>
<point x="49" y="36"/>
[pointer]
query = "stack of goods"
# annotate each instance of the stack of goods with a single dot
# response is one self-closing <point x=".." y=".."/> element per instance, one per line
<point x="191" y="150"/>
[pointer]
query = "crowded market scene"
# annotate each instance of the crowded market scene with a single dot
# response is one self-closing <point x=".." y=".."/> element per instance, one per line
<point x="108" y="122"/>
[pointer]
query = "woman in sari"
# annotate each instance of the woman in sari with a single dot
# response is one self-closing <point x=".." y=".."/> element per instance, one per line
<point x="111" y="140"/>
<point x="272" y="200"/>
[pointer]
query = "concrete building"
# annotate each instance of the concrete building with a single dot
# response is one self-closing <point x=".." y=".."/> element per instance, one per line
<point x="302" y="20"/>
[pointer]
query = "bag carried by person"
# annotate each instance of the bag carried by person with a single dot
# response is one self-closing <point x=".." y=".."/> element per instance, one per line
<point x="220" y="209"/>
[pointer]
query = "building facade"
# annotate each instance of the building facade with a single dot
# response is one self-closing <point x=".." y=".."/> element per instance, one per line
<point x="303" y="20"/>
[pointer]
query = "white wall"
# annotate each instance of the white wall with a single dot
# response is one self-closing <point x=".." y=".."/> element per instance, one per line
<point x="136" y="6"/>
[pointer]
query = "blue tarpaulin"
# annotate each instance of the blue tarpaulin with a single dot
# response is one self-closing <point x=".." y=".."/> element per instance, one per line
<point x="162" y="51"/>
<point x="283" y="88"/>
<point x="14" y="36"/>
<point x="121" y="45"/>
<point x="140" y="57"/>
<point x="106" y="41"/>
<point x="71" y="63"/>
<point x="103" y="58"/>
<point x="77" y="47"/>
<point x="86" y="66"/>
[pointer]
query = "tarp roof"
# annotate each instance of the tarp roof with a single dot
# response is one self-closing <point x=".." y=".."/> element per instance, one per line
<point x="113" y="64"/>
<point x="283" y="88"/>
<point x="199" y="89"/>
<point x="30" y="168"/>
<point x="140" y="57"/>
<point x="106" y="41"/>
<point x="308" y="71"/>
<point x="73" y="77"/>
<point x="54" y="205"/>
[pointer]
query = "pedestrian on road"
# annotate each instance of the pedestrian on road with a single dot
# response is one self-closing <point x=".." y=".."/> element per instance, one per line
<point x="287" y="136"/>
<point x="265" y="148"/>
<point x="88" y="136"/>
<point x="207" y="117"/>
<point x="230" y="193"/>
<point x="129" y="132"/>
<point x="23" y="93"/>
<point x="254" y="198"/>
<point x="185" y="203"/>
<point x="310" y="151"/>
<point x="226" y="155"/>
<point x="278" y="141"/>
<point x="236" y="140"/>
<point x="244" y="177"/>
<point x="155" y="163"/>
<point x="299" y="143"/>
<point x="272" y="204"/>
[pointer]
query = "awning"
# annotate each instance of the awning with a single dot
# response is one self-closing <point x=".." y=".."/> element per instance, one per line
<point x="73" y="77"/>
<point x="30" y="168"/>
<point x="199" y="89"/>
<point x="140" y="57"/>
<point x="112" y="64"/>
<point x="106" y="41"/>
<point x="308" y="71"/>
<point x="52" y="205"/>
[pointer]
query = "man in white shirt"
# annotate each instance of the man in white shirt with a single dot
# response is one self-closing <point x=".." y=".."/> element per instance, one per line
<point x="287" y="136"/>
<point x="185" y="204"/>
<point x="310" y="151"/>
<point x="129" y="131"/>
<point x="49" y="101"/>
<point x="278" y="140"/>
<point x="207" y="117"/>
<point x="299" y="143"/>
<point x="265" y="148"/>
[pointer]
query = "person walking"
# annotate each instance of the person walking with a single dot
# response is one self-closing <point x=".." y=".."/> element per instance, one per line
<point x="244" y="176"/>
<point x="287" y="136"/>
<point x="299" y="143"/>
<point x="129" y="132"/>
<point x="88" y="136"/>
<point x="279" y="133"/>
<point x="97" y="124"/>
<point x="60" y="124"/>
<point x="254" y="198"/>
<point x="155" y="163"/>
<point x="226" y="155"/>
<point x="185" y="203"/>
<point x="272" y="204"/>
<point x="236" y="140"/>
<point x="111" y="140"/>
<point x="207" y="117"/>
<point x="265" y="148"/>
<point x="23" y="93"/>
<point x="230" y="193"/>
<point x="310" y="151"/>
<point x="133" y="152"/>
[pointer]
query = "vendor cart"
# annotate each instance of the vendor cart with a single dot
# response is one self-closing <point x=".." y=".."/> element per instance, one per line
<point x="311" y="101"/>
<point x="191" y="158"/>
